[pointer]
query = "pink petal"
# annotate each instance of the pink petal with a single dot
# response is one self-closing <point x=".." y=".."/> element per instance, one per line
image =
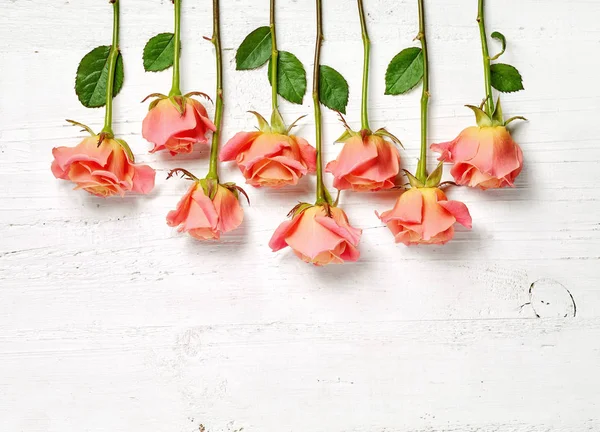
<point x="308" y="153"/>
<point x="354" y="154"/>
<point x="164" y="121"/>
<point x="278" y="240"/>
<point x="202" y="213"/>
<point x="229" y="210"/>
<point x="408" y="208"/>
<point x="460" y="212"/>
<point x="435" y="218"/>
<point x="236" y="144"/>
<point x="143" y="179"/>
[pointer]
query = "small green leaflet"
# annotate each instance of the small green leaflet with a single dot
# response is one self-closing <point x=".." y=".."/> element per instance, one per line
<point x="333" y="89"/>
<point x="92" y="77"/>
<point x="506" y="78"/>
<point x="499" y="36"/>
<point x="291" y="77"/>
<point x="255" y="50"/>
<point x="404" y="72"/>
<point x="159" y="52"/>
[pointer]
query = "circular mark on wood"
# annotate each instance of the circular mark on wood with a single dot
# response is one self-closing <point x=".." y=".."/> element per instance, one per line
<point x="550" y="299"/>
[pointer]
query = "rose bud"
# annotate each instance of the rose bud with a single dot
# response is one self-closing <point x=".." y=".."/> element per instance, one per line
<point x="176" y="124"/>
<point x="103" y="169"/>
<point x="423" y="215"/>
<point x="207" y="210"/>
<point x="319" y="235"/>
<point x="484" y="156"/>
<point x="367" y="162"/>
<point x="270" y="157"/>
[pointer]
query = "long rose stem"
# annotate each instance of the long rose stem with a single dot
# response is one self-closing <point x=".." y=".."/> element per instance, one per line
<point x="323" y="196"/>
<point x="422" y="166"/>
<point x="213" y="172"/>
<point x="175" y="88"/>
<point x="112" y="64"/>
<point x="487" y="72"/>
<point x="274" y="56"/>
<point x="364" y="111"/>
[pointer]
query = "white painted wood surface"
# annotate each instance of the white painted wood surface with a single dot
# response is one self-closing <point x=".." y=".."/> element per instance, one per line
<point x="111" y="321"/>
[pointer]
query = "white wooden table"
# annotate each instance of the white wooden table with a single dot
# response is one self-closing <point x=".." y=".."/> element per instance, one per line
<point x="111" y="321"/>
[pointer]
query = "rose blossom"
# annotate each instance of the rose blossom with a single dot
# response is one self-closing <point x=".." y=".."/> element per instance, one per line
<point x="207" y="218"/>
<point x="424" y="215"/>
<point x="318" y="237"/>
<point x="101" y="170"/>
<point x="484" y="157"/>
<point x="168" y="129"/>
<point x="366" y="163"/>
<point x="270" y="159"/>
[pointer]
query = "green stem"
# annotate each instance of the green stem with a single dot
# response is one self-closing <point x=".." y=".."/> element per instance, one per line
<point x="322" y="193"/>
<point x="175" y="89"/>
<point x="364" y="111"/>
<point x="112" y="64"/>
<point x="274" y="56"/>
<point x="422" y="166"/>
<point x="213" y="172"/>
<point x="487" y="72"/>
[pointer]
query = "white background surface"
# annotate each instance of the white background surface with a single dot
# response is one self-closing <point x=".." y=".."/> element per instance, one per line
<point x="111" y="321"/>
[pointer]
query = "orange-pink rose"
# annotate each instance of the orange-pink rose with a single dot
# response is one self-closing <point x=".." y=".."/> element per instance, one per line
<point x="318" y="237"/>
<point x="168" y="129"/>
<point x="102" y="170"/>
<point x="270" y="159"/>
<point x="366" y="163"/>
<point x="425" y="216"/>
<point x="206" y="218"/>
<point x="484" y="157"/>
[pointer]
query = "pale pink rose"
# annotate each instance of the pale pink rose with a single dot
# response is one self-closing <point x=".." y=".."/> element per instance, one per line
<point x="103" y="170"/>
<point x="366" y="163"/>
<point x="319" y="238"/>
<point x="484" y="157"/>
<point x="425" y="216"/>
<point x="270" y="159"/>
<point x="168" y="129"/>
<point x="205" y="218"/>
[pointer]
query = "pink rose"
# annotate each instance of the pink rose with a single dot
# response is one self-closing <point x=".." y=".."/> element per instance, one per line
<point x="168" y="129"/>
<point x="270" y="159"/>
<point x="206" y="218"/>
<point x="484" y="157"/>
<point x="318" y="237"/>
<point x="103" y="170"/>
<point x="366" y="163"/>
<point x="424" y="215"/>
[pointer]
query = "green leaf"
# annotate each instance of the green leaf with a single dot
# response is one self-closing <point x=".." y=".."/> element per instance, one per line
<point x="333" y="89"/>
<point x="159" y="52"/>
<point x="404" y="72"/>
<point x="255" y="50"/>
<point x="506" y="78"/>
<point x="291" y="77"/>
<point x="92" y="77"/>
<point x="499" y="36"/>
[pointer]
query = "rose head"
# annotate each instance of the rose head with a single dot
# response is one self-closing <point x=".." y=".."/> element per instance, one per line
<point x="270" y="157"/>
<point x="425" y="216"/>
<point x="176" y="125"/>
<point x="102" y="170"/>
<point x="319" y="235"/>
<point x="204" y="213"/>
<point x="483" y="157"/>
<point x="367" y="162"/>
